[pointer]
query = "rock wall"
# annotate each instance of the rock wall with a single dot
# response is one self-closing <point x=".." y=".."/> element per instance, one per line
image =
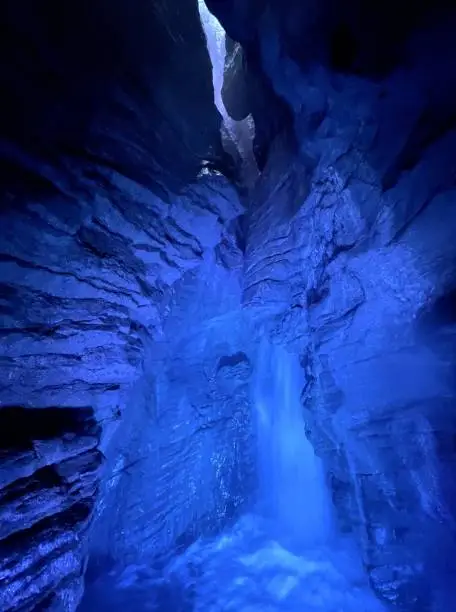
<point x="100" y="84"/>
<point x="132" y="296"/>
<point x="49" y="471"/>
<point x="109" y="144"/>
<point x="186" y="465"/>
<point x="378" y="354"/>
<point x="83" y="300"/>
<point x="350" y="260"/>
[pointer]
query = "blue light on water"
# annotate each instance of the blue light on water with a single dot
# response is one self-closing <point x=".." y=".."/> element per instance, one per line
<point x="293" y="490"/>
<point x="285" y="557"/>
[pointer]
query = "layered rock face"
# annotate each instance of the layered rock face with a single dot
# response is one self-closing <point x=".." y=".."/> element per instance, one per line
<point x="109" y="142"/>
<point x="184" y="465"/>
<point x="135" y="284"/>
<point x="351" y="260"/>
<point x="49" y="478"/>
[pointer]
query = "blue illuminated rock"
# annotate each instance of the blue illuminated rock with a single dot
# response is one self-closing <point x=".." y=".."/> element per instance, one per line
<point x="351" y="251"/>
<point x="137" y="284"/>
<point x="110" y="195"/>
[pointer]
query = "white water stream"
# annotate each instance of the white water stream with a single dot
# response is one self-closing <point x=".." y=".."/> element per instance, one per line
<point x="293" y="489"/>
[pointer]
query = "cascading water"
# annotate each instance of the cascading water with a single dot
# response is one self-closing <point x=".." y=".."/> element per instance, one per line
<point x="293" y="490"/>
<point x="279" y="559"/>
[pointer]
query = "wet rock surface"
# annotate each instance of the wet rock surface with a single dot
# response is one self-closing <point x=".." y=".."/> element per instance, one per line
<point x="135" y="287"/>
<point x="109" y="196"/>
<point x="84" y="302"/>
<point x="50" y="468"/>
<point x="350" y="261"/>
<point x="197" y="448"/>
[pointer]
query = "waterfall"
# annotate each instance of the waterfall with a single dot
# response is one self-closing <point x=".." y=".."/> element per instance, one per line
<point x="292" y="488"/>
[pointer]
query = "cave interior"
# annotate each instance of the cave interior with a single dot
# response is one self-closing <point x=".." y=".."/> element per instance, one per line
<point x="228" y="306"/>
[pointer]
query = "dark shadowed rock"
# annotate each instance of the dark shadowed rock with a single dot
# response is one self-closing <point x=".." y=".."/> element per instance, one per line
<point x="100" y="84"/>
<point x="49" y="484"/>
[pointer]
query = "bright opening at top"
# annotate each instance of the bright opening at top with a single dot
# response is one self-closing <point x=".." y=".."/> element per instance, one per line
<point x="215" y="37"/>
<point x="238" y="133"/>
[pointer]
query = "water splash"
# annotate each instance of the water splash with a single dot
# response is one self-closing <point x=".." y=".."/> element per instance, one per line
<point x="243" y="570"/>
<point x="293" y="489"/>
<point x="284" y="560"/>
